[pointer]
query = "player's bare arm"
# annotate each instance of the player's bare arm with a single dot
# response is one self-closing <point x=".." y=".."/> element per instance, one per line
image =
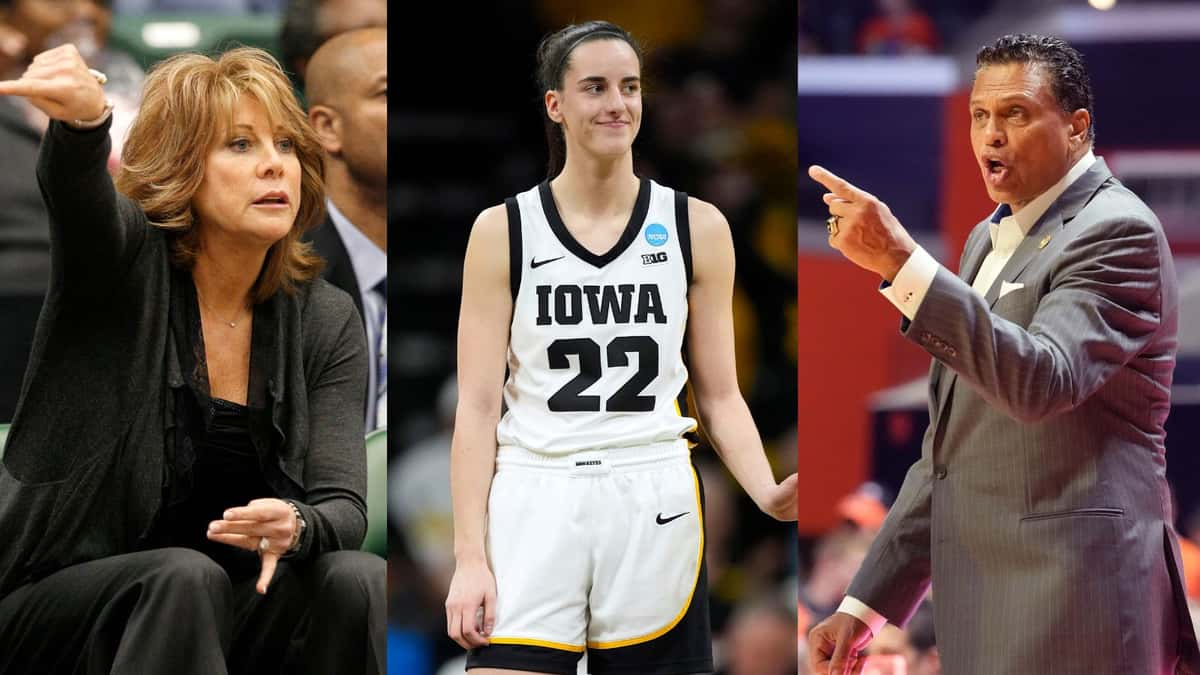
<point x="483" y="328"/>
<point x="713" y="372"/>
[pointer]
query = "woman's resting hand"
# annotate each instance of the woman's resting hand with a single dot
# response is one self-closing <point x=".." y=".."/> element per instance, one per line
<point x="246" y="527"/>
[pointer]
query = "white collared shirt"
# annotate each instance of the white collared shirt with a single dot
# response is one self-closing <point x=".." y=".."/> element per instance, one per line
<point x="369" y="263"/>
<point x="908" y="289"/>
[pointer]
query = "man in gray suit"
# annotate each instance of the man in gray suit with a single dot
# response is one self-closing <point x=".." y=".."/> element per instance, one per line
<point x="1039" y="509"/>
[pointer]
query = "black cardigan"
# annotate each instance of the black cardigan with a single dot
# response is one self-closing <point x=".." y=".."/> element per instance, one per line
<point x="83" y="471"/>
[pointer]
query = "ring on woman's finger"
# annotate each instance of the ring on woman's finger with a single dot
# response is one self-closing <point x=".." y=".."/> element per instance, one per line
<point x="831" y="224"/>
<point x="264" y="545"/>
<point x="100" y="77"/>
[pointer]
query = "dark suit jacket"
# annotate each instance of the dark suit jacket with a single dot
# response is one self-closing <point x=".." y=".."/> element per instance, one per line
<point x="1039" y="508"/>
<point x="338" y="269"/>
<point x="82" y="475"/>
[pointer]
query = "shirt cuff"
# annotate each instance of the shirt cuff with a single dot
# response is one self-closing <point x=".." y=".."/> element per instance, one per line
<point x="859" y="610"/>
<point x="908" y="289"/>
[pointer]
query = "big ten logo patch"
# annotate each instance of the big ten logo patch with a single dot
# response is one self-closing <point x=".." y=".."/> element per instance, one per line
<point x="656" y="234"/>
<point x="652" y="258"/>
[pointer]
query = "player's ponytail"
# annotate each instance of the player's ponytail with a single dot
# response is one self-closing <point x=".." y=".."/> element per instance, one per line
<point x="553" y="59"/>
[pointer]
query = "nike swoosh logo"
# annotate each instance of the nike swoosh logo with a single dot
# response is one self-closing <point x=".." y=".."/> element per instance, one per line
<point x="663" y="521"/>
<point x="534" y="264"/>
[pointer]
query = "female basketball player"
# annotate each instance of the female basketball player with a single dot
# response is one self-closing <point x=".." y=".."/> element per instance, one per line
<point x="578" y="518"/>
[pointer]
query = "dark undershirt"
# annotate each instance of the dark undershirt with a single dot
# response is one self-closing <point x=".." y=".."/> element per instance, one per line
<point x="226" y="473"/>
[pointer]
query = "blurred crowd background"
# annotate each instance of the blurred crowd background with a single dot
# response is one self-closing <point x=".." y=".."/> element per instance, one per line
<point x="719" y="119"/>
<point x="882" y="101"/>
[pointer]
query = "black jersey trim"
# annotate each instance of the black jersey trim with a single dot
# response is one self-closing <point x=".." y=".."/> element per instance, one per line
<point x="524" y="657"/>
<point x="692" y="436"/>
<point x="514" y="245"/>
<point x="684" y="229"/>
<point x="640" y="208"/>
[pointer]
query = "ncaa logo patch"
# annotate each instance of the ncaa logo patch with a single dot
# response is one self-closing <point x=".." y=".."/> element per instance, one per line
<point x="656" y="234"/>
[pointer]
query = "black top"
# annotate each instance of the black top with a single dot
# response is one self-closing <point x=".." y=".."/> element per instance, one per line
<point x="99" y="427"/>
<point x="226" y="473"/>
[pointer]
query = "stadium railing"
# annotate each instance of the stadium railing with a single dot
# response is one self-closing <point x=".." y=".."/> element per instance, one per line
<point x="150" y="38"/>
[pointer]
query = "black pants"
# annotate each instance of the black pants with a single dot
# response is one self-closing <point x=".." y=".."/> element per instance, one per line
<point x="174" y="611"/>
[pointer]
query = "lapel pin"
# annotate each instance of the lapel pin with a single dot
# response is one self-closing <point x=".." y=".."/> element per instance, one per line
<point x="1045" y="240"/>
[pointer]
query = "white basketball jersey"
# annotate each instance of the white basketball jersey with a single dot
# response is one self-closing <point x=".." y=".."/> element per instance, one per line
<point x="595" y="353"/>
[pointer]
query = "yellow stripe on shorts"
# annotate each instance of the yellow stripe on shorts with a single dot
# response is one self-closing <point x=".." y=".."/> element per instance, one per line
<point x="695" y="582"/>
<point x="578" y="649"/>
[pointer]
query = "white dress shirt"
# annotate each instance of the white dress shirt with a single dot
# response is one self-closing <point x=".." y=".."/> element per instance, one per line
<point x="370" y="267"/>
<point x="912" y="282"/>
<point x="1007" y="230"/>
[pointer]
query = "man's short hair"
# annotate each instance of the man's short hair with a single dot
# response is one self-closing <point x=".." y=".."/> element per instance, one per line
<point x="1069" y="78"/>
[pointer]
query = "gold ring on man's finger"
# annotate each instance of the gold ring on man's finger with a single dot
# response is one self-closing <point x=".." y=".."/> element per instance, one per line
<point x="100" y="77"/>
<point x="831" y="224"/>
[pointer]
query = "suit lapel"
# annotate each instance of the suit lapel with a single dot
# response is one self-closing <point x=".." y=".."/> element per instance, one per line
<point x="1060" y="212"/>
<point x="975" y="253"/>
<point x="1046" y="226"/>
<point x="338" y="270"/>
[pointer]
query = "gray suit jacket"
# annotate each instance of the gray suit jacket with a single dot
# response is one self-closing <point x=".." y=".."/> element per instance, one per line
<point x="1039" y="508"/>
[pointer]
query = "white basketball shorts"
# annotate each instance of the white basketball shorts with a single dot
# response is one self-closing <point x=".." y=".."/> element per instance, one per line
<point x="598" y="550"/>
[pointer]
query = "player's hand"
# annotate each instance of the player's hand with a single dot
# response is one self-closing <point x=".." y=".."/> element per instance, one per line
<point x="835" y="645"/>
<point x="471" y="604"/>
<point x="59" y="84"/>
<point x="246" y="527"/>
<point x="867" y="232"/>
<point x="779" y="502"/>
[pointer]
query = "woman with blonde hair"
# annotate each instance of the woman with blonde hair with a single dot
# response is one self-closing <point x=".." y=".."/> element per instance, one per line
<point x="183" y="485"/>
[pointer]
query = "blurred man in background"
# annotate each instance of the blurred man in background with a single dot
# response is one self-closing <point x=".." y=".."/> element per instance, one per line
<point x="898" y="27"/>
<point x="29" y="27"/>
<point x="761" y="640"/>
<point x="307" y="24"/>
<point x="347" y="106"/>
<point x="835" y="560"/>
<point x="916" y="643"/>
